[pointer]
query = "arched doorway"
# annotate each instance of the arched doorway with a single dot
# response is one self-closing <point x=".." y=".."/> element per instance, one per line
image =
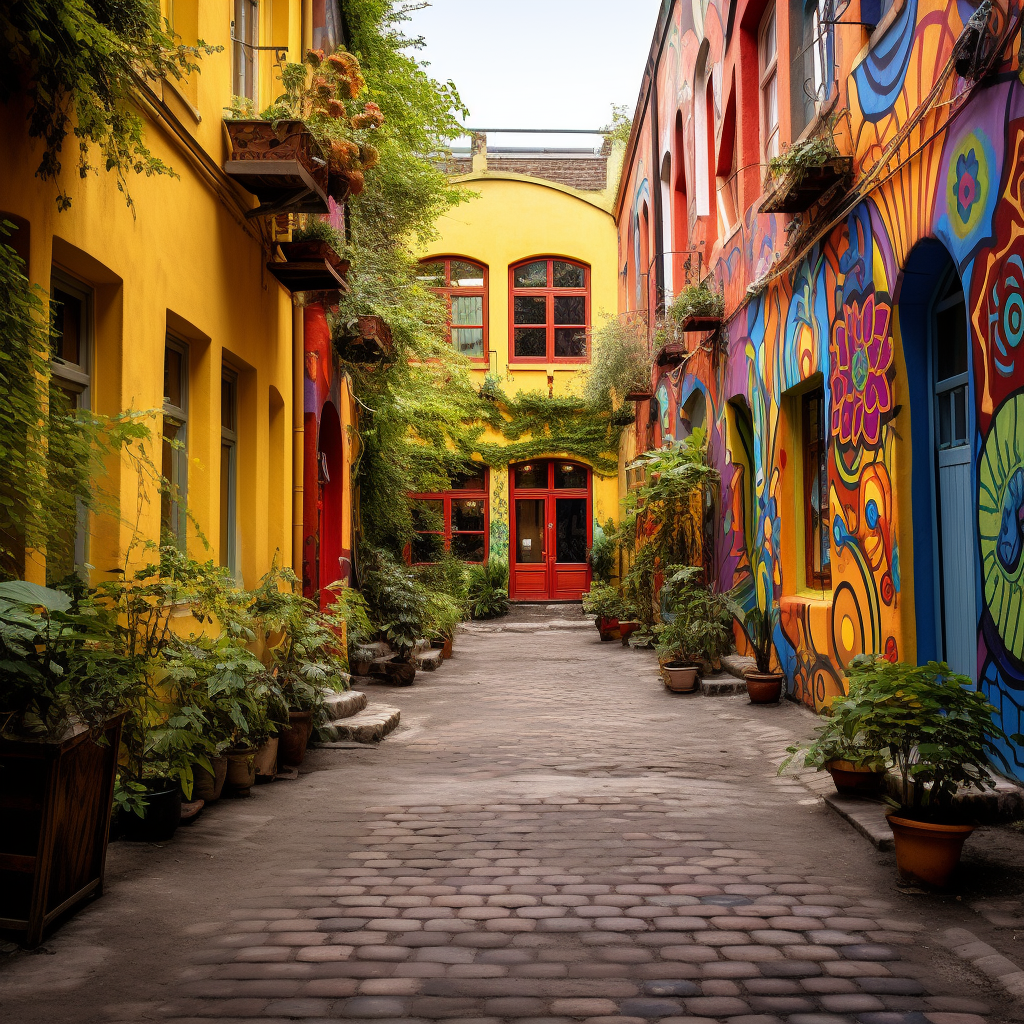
<point x="936" y="348"/>
<point x="552" y="530"/>
<point x="330" y="495"/>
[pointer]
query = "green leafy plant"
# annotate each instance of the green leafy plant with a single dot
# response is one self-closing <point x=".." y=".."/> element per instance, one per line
<point x="621" y="125"/>
<point x="697" y="300"/>
<point x="318" y="229"/>
<point x="80" y="65"/>
<point x="603" y="552"/>
<point x="699" y="627"/>
<point x="934" y="727"/>
<point x="487" y="587"/>
<point x="758" y="625"/>
<point x="795" y="160"/>
<point x="620" y="363"/>
<point x="348" y="605"/>
<point x="397" y="601"/>
<point x="603" y="601"/>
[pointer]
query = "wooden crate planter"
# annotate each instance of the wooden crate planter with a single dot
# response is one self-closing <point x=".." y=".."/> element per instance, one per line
<point x="280" y="163"/>
<point x="309" y="267"/>
<point x="639" y="396"/>
<point x="55" y="804"/>
<point x="371" y="341"/>
<point x="798" y="193"/>
<point x="699" y="324"/>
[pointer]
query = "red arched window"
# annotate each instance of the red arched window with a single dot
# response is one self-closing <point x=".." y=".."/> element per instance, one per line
<point x="463" y="285"/>
<point x="550" y="311"/>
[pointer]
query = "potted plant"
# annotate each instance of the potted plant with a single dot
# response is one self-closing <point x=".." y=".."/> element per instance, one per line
<point x="802" y="173"/>
<point x="65" y="687"/>
<point x="698" y="307"/>
<point x="605" y="604"/>
<point x="697" y="630"/>
<point x="487" y="589"/>
<point x="758" y="625"/>
<point x="841" y="748"/>
<point x="937" y="730"/>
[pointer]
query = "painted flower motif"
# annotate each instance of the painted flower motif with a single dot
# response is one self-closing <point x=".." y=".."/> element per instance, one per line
<point x="967" y="190"/>
<point x="862" y="354"/>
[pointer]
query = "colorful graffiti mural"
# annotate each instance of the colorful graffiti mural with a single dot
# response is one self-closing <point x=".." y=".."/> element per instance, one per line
<point x="849" y="300"/>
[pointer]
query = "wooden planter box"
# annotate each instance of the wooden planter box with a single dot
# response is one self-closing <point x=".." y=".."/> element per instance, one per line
<point x="310" y="267"/>
<point x="796" y="194"/>
<point x="693" y="324"/>
<point x="280" y="163"/>
<point x="639" y="396"/>
<point x="55" y="803"/>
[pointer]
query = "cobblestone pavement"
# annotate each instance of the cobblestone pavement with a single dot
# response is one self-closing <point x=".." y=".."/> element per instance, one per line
<point x="550" y="836"/>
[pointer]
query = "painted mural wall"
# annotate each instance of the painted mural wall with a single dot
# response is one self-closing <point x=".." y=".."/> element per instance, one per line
<point x="935" y="216"/>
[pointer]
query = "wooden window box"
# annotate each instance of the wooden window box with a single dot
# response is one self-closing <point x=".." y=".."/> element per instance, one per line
<point x="639" y="396"/>
<point x="700" y="324"/>
<point x="796" y="194"/>
<point x="310" y="267"/>
<point x="370" y="343"/>
<point x="280" y="163"/>
<point x="55" y="805"/>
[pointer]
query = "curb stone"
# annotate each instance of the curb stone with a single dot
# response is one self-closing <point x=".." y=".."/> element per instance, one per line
<point x="1001" y="969"/>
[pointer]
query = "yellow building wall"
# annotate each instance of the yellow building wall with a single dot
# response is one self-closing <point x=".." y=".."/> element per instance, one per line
<point x="510" y="218"/>
<point x="186" y="262"/>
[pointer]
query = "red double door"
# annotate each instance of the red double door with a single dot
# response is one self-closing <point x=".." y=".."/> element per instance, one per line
<point x="551" y="530"/>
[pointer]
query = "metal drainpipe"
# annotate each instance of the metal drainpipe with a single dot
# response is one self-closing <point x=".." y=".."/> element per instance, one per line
<point x="298" y="439"/>
<point x="659" y="234"/>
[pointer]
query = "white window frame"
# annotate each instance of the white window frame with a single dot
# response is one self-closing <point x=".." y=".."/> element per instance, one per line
<point x="768" y="68"/>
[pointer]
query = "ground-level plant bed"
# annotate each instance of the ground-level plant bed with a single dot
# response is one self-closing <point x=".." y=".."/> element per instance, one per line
<point x="55" y="806"/>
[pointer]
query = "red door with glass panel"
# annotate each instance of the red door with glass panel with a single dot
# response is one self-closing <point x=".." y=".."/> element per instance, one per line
<point x="551" y="530"/>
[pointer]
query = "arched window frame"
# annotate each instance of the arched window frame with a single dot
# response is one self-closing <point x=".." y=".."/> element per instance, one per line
<point x="448" y="291"/>
<point x="550" y="293"/>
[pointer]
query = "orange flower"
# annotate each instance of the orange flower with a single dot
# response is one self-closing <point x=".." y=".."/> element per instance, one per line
<point x="314" y="58"/>
<point x="336" y="108"/>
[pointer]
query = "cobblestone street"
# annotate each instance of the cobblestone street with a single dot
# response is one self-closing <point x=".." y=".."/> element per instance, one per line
<point x="550" y="835"/>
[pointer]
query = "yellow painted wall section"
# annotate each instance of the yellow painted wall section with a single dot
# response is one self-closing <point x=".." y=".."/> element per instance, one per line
<point x="186" y="263"/>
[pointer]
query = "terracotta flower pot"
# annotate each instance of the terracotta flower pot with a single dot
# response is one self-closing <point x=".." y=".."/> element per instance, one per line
<point x="608" y="628"/>
<point x="626" y="630"/>
<point x="207" y="787"/>
<point x="265" y="760"/>
<point x="448" y="647"/>
<point x="241" y="771"/>
<point x="294" y="737"/>
<point x="926" y="852"/>
<point x="680" y="676"/>
<point x="854" y="780"/>
<point x="764" y="689"/>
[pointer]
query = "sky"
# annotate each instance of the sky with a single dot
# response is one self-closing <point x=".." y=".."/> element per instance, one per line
<point x="538" y="63"/>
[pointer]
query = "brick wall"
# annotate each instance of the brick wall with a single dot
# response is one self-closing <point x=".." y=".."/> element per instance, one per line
<point x="588" y="174"/>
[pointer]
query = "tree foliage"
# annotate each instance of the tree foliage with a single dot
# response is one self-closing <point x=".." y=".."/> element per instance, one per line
<point x="78" y="62"/>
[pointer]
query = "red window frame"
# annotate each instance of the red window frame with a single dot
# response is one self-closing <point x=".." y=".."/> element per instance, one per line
<point x="549" y="293"/>
<point x="448" y="290"/>
<point x="815" y="472"/>
<point x="447" y="497"/>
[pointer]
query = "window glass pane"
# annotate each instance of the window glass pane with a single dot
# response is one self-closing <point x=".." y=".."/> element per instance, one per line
<point x="466" y="275"/>
<point x="571" y="530"/>
<point x="570" y="343"/>
<point x="951" y="342"/>
<point x="768" y="41"/>
<point x="432" y="275"/>
<point x="67" y="316"/>
<point x="531" y="309"/>
<point x="173" y="373"/>
<point x="226" y="496"/>
<point x="530" y="529"/>
<point x="531" y="474"/>
<point x="469" y="481"/>
<point x="469" y="341"/>
<point x="531" y="275"/>
<point x="570" y="309"/>
<point x="227" y="404"/>
<point x="469" y="547"/>
<point x="568" y="474"/>
<point x="428" y="514"/>
<point x="960" y="415"/>
<point x="568" y="275"/>
<point x="467" y="513"/>
<point x="531" y="342"/>
<point x="945" y="421"/>
<point x="468" y="309"/>
<point x="428" y="547"/>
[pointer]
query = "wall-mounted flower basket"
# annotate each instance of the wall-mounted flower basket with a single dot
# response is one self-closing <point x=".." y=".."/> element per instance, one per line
<point x="369" y="342"/>
<point x="55" y="804"/>
<point x="696" y="309"/>
<point x="798" y="190"/>
<point x="280" y="163"/>
<point x="639" y="396"/>
<point x="696" y="323"/>
<point x="310" y="267"/>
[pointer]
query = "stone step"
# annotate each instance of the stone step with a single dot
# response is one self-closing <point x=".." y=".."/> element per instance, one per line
<point x="368" y="726"/>
<point x="722" y="684"/>
<point x="866" y="815"/>
<point x="429" y="660"/>
<point x="343" y="705"/>
<point x="738" y="665"/>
